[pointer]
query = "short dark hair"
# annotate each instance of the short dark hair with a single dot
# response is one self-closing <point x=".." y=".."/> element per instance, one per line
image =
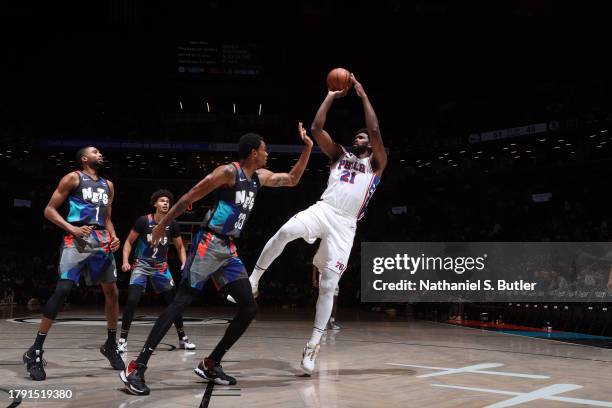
<point x="161" y="193"/>
<point x="363" y="130"/>
<point x="247" y="143"/>
<point x="80" y="153"/>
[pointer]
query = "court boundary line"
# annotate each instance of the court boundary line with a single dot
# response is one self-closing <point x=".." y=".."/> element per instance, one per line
<point x="525" y="337"/>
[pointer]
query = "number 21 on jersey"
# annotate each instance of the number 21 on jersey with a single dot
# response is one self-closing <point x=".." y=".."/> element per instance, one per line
<point x="348" y="176"/>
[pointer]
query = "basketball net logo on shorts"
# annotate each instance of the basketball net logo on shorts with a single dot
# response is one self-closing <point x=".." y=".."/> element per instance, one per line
<point x="247" y="202"/>
<point x="95" y="197"/>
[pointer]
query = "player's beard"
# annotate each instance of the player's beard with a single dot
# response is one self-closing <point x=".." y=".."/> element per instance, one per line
<point x="358" y="150"/>
<point x="95" y="164"/>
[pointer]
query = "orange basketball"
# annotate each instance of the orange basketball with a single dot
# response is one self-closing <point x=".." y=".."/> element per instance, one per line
<point x="338" y="79"/>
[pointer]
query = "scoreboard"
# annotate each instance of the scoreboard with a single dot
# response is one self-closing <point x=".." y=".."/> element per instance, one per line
<point x="217" y="58"/>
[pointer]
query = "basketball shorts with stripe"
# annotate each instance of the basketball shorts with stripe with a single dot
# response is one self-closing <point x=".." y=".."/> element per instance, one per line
<point x="337" y="232"/>
<point x="90" y="257"/>
<point x="158" y="273"/>
<point x="215" y="258"/>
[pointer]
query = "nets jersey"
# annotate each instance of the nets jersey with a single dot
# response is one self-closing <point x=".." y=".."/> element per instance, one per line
<point x="233" y="205"/>
<point x="351" y="185"/>
<point x="144" y="250"/>
<point x="88" y="203"/>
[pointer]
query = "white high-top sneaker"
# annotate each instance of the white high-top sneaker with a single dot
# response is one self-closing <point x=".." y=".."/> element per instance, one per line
<point x="186" y="345"/>
<point x="309" y="355"/>
<point x="122" y="346"/>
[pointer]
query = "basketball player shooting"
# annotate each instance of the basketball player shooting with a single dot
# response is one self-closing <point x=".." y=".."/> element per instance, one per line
<point x="352" y="181"/>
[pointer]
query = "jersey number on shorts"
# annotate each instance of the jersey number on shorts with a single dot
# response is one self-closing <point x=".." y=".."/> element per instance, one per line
<point x="348" y="176"/>
<point x="240" y="221"/>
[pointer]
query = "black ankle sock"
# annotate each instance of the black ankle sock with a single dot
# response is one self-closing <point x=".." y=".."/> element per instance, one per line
<point x="124" y="334"/>
<point x="112" y="336"/>
<point x="40" y="339"/>
<point x="181" y="333"/>
<point x="215" y="361"/>
<point x="217" y="355"/>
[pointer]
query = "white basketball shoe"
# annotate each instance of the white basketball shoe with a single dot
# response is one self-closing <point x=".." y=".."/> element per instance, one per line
<point x="309" y="355"/>
<point x="122" y="346"/>
<point x="186" y="345"/>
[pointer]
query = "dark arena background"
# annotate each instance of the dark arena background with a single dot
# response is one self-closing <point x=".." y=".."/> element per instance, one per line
<point x="497" y="120"/>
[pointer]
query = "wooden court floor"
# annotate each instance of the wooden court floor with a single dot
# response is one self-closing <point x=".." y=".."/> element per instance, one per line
<point x="368" y="363"/>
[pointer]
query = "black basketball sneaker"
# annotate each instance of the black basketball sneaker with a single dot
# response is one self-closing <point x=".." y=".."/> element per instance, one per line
<point x="114" y="357"/>
<point x="211" y="371"/>
<point x="35" y="364"/>
<point x="133" y="378"/>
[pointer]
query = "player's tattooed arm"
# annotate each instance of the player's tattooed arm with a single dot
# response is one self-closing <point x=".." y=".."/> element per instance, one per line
<point x="270" y="179"/>
<point x="230" y="173"/>
<point x="68" y="183"/>
<point x="292" y="178"/>
<point x="330" y="148"/>
<point x="222" y="176"/>
<point x="379" y="155"/>
<point x="115" y="242"/>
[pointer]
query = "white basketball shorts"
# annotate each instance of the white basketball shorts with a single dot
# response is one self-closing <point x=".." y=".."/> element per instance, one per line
<point x="337" y="232"/>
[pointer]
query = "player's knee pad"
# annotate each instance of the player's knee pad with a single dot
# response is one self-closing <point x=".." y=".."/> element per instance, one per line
<point x="56" y="301"/>
<point x="168" y="296"/>
<point x="328" y="282"/>
<point x="183" y="298"/>
<point x="249" y="310"/>
<point x="134" y="294"/>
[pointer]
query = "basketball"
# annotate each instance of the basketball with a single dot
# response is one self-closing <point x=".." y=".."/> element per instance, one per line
<point x="338" y="79"/>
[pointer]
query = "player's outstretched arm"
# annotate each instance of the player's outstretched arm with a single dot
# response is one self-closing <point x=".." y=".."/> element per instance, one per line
<point x="68" y="183"/>
<point x="379" y="155"/>
<point x="221" y="176"/>
<point x="270" y="179"/>
<point x="323" y="139"/>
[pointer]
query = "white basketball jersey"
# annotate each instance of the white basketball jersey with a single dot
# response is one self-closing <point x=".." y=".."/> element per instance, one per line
<point x="351" y="184"/>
